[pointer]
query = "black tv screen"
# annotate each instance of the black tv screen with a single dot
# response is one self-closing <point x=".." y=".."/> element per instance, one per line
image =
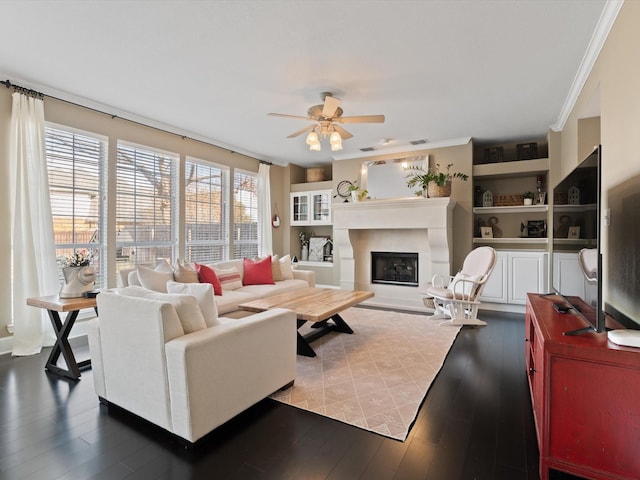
<point x="623" y="253"/>
<point x="576" y="226"/>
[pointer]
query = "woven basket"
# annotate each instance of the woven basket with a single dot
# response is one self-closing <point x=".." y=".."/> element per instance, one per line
<point x="508" y="200"/>
<point x="434" y="190"/>
<point x="428" y="302"/>
<point x="315" y="175"/>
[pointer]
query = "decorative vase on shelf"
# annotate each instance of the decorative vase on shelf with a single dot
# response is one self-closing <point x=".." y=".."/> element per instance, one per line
<point x="434" y="190"/>
<point x="304" y="254"/>
<point x="77" y="281"/>
<point x="528" y="201"/>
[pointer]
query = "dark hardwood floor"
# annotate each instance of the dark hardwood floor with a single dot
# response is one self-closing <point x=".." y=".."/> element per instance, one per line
<point x="475" y="423"/>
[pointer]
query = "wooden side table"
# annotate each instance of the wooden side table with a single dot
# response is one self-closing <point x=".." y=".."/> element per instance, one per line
<point x="54" y="304"/>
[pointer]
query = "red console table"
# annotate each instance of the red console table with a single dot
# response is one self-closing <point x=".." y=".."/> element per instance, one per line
<point x="585" y="393"/>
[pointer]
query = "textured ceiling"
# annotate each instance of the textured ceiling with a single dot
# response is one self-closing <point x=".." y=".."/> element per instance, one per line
<point x="438" y="70"/>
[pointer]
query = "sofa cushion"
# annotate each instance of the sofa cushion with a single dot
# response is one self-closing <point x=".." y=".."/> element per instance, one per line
<point x="276" y="270"/>
<point x="208" y="275"/>
<point x="261" y="291"/>
<point x="227" y="264"/>
<point x="185" y="273"/>
<point x="257" y="272"/>
<point x="203" y="293"/>
<point x="186" y="306"/>
<point x="154" y="280"/>
<point x="229" y="278"/>
<point x="231" y="299"/>
<point x="285" y="267"/>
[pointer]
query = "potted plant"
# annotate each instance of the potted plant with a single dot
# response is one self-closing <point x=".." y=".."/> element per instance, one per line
<point x="528" y="198"/>
<point x="435" y="182"/>
<point x="356" y="193"/>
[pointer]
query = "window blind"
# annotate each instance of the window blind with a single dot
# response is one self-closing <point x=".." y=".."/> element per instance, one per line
<point x="206" y="216"/>
<point x="145" y="206"/>
<point x="245" y="214"/>
<point x="75" y="163"/>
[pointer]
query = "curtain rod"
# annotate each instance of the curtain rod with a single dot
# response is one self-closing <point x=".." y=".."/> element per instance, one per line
<point x="40" y="95"/>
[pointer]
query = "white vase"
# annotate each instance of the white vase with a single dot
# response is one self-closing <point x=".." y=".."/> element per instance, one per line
<point x="304" y="254"/>
<point x="528" y="201"/>
<point x="77" y="280"/>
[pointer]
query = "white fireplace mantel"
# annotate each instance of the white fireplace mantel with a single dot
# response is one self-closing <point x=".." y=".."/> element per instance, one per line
<point x="432" y="217"/>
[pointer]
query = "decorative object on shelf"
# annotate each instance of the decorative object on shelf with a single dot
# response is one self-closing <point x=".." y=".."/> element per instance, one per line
<point x="316" y="248"/>
<point x="574" y="195"/>
<point x="487" y="199"/>
<point x="436" y="182"/>
<point x="356" y="193"/>
<point x="541" y="196"/>
<point x="486" y="232"/>
<point x="78" y="275"/>
<point x="304" y="244"/>
<point x="526" y="151"/>
<point x="316" y="175"/>
<point x="275" y="220"/>
<point x="533" y="229"/>
<point x="493" y="223"/>
<point x="344" y="190"/>
<point x="493" y="154"/>
<point x="574" y="233"/>
<point x="477" y="196"/>
<point x="478" y="227"/>
<point x="564" y="222"/>
<point x="528" y="198"/>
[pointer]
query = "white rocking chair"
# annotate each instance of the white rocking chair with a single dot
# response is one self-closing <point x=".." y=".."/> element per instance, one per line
<point x="455" y="298"/>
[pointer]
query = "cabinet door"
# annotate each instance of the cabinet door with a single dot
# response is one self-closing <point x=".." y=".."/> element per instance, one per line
<point x="320" y="207"/>
<point x="299" y="209"/>
<point x="527" y="273"/>
<point x="495" y="290"/>
<point x="567" y="276"/>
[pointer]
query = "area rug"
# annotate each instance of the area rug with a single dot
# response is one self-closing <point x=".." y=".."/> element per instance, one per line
<point x="375" y="378"/>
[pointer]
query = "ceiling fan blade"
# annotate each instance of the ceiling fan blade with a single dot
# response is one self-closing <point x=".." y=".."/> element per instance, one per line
<point x="284" y="115"/>
<point x="362" y="119"/>
<point x="343" y="133"/>
<point x="301" y="131"/>
<point x="331" y="104"/>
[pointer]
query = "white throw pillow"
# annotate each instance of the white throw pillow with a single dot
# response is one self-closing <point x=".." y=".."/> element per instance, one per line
<point x="186" y="306"/>
<point x="185" y="273"/>
<point x="154" y="280"/>
<point x="463" y="288"/>
<point x="285" y="267"/>
<point x="203" y="293"/>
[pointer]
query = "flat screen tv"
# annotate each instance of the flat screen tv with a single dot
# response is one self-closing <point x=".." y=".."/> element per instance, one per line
<point x="576" y="225"/>
<point x="623" y="253"/>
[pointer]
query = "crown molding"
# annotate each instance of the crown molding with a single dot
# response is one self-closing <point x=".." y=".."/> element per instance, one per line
<point x="405" y="149"/>
<point x="600" y="34"/>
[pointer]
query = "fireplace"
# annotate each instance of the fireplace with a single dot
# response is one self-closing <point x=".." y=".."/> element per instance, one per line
<point x="394" y="268"/>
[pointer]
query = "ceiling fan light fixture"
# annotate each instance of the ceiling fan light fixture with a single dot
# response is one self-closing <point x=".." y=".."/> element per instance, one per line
<point x="315" y="147"/>
<point x="335" y="138"/>
<point x="312" y="138"/>
<point x="336" y="147"/>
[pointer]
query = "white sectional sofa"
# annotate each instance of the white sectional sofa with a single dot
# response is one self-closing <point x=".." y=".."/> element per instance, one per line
<point x="230" y="299"/>
<point x="160" y="357"/>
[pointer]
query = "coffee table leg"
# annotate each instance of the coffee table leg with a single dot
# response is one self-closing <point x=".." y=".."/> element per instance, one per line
<point x="304" y="348"/>
<point x="341" y="325"/>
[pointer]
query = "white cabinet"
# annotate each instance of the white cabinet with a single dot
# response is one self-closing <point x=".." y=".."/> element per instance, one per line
<point x="516" y="273"/>
<point x="311" y="208"/>
<point x="567" y="275"/>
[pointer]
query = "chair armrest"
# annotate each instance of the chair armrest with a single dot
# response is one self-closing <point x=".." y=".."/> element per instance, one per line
<point x="218" y="372"/>
<point x="441" y="281"/>
<point x="308" y="275"/>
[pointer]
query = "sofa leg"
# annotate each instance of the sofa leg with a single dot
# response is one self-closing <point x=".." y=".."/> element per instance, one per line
<point x="288" y="385"/>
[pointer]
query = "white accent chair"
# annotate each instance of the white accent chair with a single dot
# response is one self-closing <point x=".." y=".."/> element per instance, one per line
<point x="588" y="261"/>
<point x="455" y="299"/>
<point x="187" y="383"/>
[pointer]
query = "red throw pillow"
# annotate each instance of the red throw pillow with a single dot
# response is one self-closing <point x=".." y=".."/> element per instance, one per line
<point x="257" y="272"/>
<point x="207" y="275"/>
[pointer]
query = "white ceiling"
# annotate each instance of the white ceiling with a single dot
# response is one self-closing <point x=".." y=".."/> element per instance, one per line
<point x="438" y="70"/>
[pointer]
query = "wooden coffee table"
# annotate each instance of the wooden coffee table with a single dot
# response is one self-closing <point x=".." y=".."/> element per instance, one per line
<point x="317" y="305"/>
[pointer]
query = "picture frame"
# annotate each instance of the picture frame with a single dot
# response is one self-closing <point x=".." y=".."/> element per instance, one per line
<point x="486" y="232"/>
<point x="574" y="233"/>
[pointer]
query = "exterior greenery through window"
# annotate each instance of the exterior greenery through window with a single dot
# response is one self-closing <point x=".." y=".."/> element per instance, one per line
<point x="245" y="214"/>
<point x="146" y="224"/>
<point x="206" y="215"/>
<point x="75" y="163"/>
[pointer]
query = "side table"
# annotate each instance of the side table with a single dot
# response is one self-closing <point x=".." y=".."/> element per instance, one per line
<point x="54" y="304"/>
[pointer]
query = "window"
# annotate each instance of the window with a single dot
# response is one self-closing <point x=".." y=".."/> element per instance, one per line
<point x="206" y="216"/>
<point x="245" y="214"/>
<point x="75" y="165"/>
<point x="145" y="206"/>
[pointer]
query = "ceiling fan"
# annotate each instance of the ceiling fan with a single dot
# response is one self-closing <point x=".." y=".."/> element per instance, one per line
<point x="327" y="117"/>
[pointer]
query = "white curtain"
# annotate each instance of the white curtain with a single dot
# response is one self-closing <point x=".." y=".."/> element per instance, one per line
<point x="265" y="241"/>
<point x="34" y="271"/>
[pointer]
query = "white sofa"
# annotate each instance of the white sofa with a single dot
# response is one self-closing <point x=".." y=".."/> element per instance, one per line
<point x="191" y="383"/>
<point x="230" y="299"/>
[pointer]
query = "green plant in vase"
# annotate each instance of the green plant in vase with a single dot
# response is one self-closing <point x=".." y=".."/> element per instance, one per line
<point x="436" y="182"/>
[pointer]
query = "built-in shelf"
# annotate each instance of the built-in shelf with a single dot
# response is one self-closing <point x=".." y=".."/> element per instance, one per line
<point x="539" y="166"/>
<point x="515" y="240"/>
<point x="314" y="264"/>
<point x="512" y="209"/>
<point x="575" y="208"/>
<point x="574" y="241"/>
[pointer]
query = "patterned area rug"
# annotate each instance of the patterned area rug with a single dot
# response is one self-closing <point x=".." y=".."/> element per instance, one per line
<point x="375" y="378"/>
